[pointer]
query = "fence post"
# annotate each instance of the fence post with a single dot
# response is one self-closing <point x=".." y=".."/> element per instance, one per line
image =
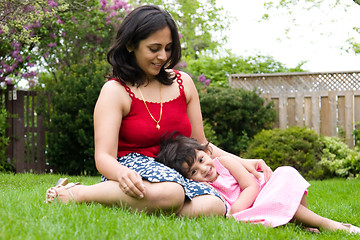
<point x="9" y="131"/>
<point x="14" y="105"/>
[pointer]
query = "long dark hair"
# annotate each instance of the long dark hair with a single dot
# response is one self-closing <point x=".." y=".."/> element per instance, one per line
<point x="136" y="26"/>
<point x="177" y="150"/>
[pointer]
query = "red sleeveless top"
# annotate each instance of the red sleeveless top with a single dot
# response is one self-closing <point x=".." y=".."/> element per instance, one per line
<point x="138" y="131"/>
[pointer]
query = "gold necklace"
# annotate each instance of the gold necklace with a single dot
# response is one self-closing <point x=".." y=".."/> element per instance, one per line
<point x="161" y="108"/>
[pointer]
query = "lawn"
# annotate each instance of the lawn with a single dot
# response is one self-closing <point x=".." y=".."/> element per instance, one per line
<point x="24" y="215"/>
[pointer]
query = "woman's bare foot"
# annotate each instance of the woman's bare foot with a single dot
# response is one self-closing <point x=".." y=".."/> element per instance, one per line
<point x="61" y="192"/>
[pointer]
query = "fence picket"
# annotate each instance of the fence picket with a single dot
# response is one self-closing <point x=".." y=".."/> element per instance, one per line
<point x="315" y="114"/>
<point x="299" y="113"/>
<point x="357" y="109"/>
<point x="349" y="124"/>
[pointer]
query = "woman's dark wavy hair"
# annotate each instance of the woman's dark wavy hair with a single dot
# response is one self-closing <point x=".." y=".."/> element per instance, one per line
<point x="176" y="150"/>
<point x="136" y="26"/>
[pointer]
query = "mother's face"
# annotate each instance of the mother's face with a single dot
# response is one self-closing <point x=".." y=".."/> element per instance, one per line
<point x="153" y="52"/>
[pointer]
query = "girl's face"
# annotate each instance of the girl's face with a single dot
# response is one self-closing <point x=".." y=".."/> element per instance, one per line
<point x="203" y="169"/>
<point x="153" y="52"/>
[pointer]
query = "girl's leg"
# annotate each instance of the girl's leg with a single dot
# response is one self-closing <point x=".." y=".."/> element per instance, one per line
<point x="167" y="196"/>
<point x="304" y="201"/>
<point x="204" y="205"/>
<point x="308" y="218"/>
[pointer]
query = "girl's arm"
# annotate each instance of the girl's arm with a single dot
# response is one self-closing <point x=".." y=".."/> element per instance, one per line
<point x="252" y="165"/>
<point x="249" y="187"/>
<point x="194" y="114"/>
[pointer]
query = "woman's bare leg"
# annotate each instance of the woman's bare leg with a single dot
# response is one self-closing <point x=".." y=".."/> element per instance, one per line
<point x="167" y="196"/>
<point x="204" y="205"/>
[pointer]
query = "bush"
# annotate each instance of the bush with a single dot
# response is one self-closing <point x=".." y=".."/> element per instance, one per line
<point x="339" y="159"/>
<point x="235" y="115"/>
<point x="356" y="134"/>
<point x="210" y="133"/>
<point x="4" y="141"/>
<point x="298" y="147"/>
<point x="70" y="147"/>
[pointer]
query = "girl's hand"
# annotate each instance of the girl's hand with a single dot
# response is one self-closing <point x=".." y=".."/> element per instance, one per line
<point x="131" y="183"/>
<point x="256" y="165"/>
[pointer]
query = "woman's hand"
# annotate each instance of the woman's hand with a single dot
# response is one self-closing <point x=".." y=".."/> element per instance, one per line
<point x="256" y="165"/>
<point x="131" y="183"/>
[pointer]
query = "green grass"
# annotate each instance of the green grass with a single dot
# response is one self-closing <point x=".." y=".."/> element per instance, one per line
<point x="24" y="215"/>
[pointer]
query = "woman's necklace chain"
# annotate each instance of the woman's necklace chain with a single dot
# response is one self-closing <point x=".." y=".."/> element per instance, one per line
<point x="161" y="108"/>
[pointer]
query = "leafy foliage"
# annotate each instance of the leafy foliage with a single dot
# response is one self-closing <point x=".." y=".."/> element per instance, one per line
<point x="314" y="156"/>
<point x="356" y="134"/>
<point x="218" y="69"/>
<point x="50" y="35"/>
<point x="339" y="159"/>
<point x="4" y="141"/>
<point x="235" y="115"/>
<point x="198" y="21"/>
<point x="311" y="8"/>
<point x="295" y="146"/>
<point x="70" y="148"/>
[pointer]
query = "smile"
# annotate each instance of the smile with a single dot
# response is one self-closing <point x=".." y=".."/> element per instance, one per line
<point x="209" y="173"/>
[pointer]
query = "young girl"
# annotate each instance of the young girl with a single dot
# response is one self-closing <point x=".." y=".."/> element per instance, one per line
<point x="272" y="203"/>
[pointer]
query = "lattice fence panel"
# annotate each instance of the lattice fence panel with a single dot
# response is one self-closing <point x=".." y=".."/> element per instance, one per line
<point x="295" y="82"/>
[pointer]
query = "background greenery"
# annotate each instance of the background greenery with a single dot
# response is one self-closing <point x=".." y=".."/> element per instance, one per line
<point x="4" y="140"/>
<point x="235" y="115"/>
<point x="314" y="156"/>
<point x="70" y="145"/>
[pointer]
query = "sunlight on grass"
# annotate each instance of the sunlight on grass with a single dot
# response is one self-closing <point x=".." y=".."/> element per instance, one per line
<point x="24" y="215"/>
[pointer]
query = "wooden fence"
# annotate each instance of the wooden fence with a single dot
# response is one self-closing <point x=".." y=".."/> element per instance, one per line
<point x="328" y="102"/>
<point x="26" y="130"/>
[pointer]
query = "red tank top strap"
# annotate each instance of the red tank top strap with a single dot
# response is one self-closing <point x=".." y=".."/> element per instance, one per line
<point x="179" y="80"/>
<point x="131" y="94"/>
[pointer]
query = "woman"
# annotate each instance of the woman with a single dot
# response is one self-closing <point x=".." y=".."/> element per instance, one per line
<point x="143" y="100"/>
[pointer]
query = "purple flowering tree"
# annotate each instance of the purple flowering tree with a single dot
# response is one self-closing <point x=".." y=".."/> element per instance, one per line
<point x="44" y="35"/>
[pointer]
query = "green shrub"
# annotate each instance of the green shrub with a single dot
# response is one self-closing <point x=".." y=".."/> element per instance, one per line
<point x="295" y="146"/>
<point x="210" y="133"/>
<point x="339" y="159"/>
<point x="356" y="134"/>
<point x="4" y="141"/>
<point x="235" y="115"/>
<point x="70" y="147"/>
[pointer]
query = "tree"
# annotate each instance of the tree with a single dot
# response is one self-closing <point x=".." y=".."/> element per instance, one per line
<point x="324" y="10"/>
<point x="201" y="24"/>
<point x="53" y="35"/>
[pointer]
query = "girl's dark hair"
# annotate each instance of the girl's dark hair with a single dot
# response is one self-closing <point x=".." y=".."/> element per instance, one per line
<point x="136" y="26"/>
<point x="174" y="151"/>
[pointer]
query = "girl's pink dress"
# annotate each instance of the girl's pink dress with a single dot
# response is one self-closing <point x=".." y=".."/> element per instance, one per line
<point x="278" y="199"/>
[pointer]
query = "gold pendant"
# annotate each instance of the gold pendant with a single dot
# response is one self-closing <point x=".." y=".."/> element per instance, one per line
<point x="157" y="126"/>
